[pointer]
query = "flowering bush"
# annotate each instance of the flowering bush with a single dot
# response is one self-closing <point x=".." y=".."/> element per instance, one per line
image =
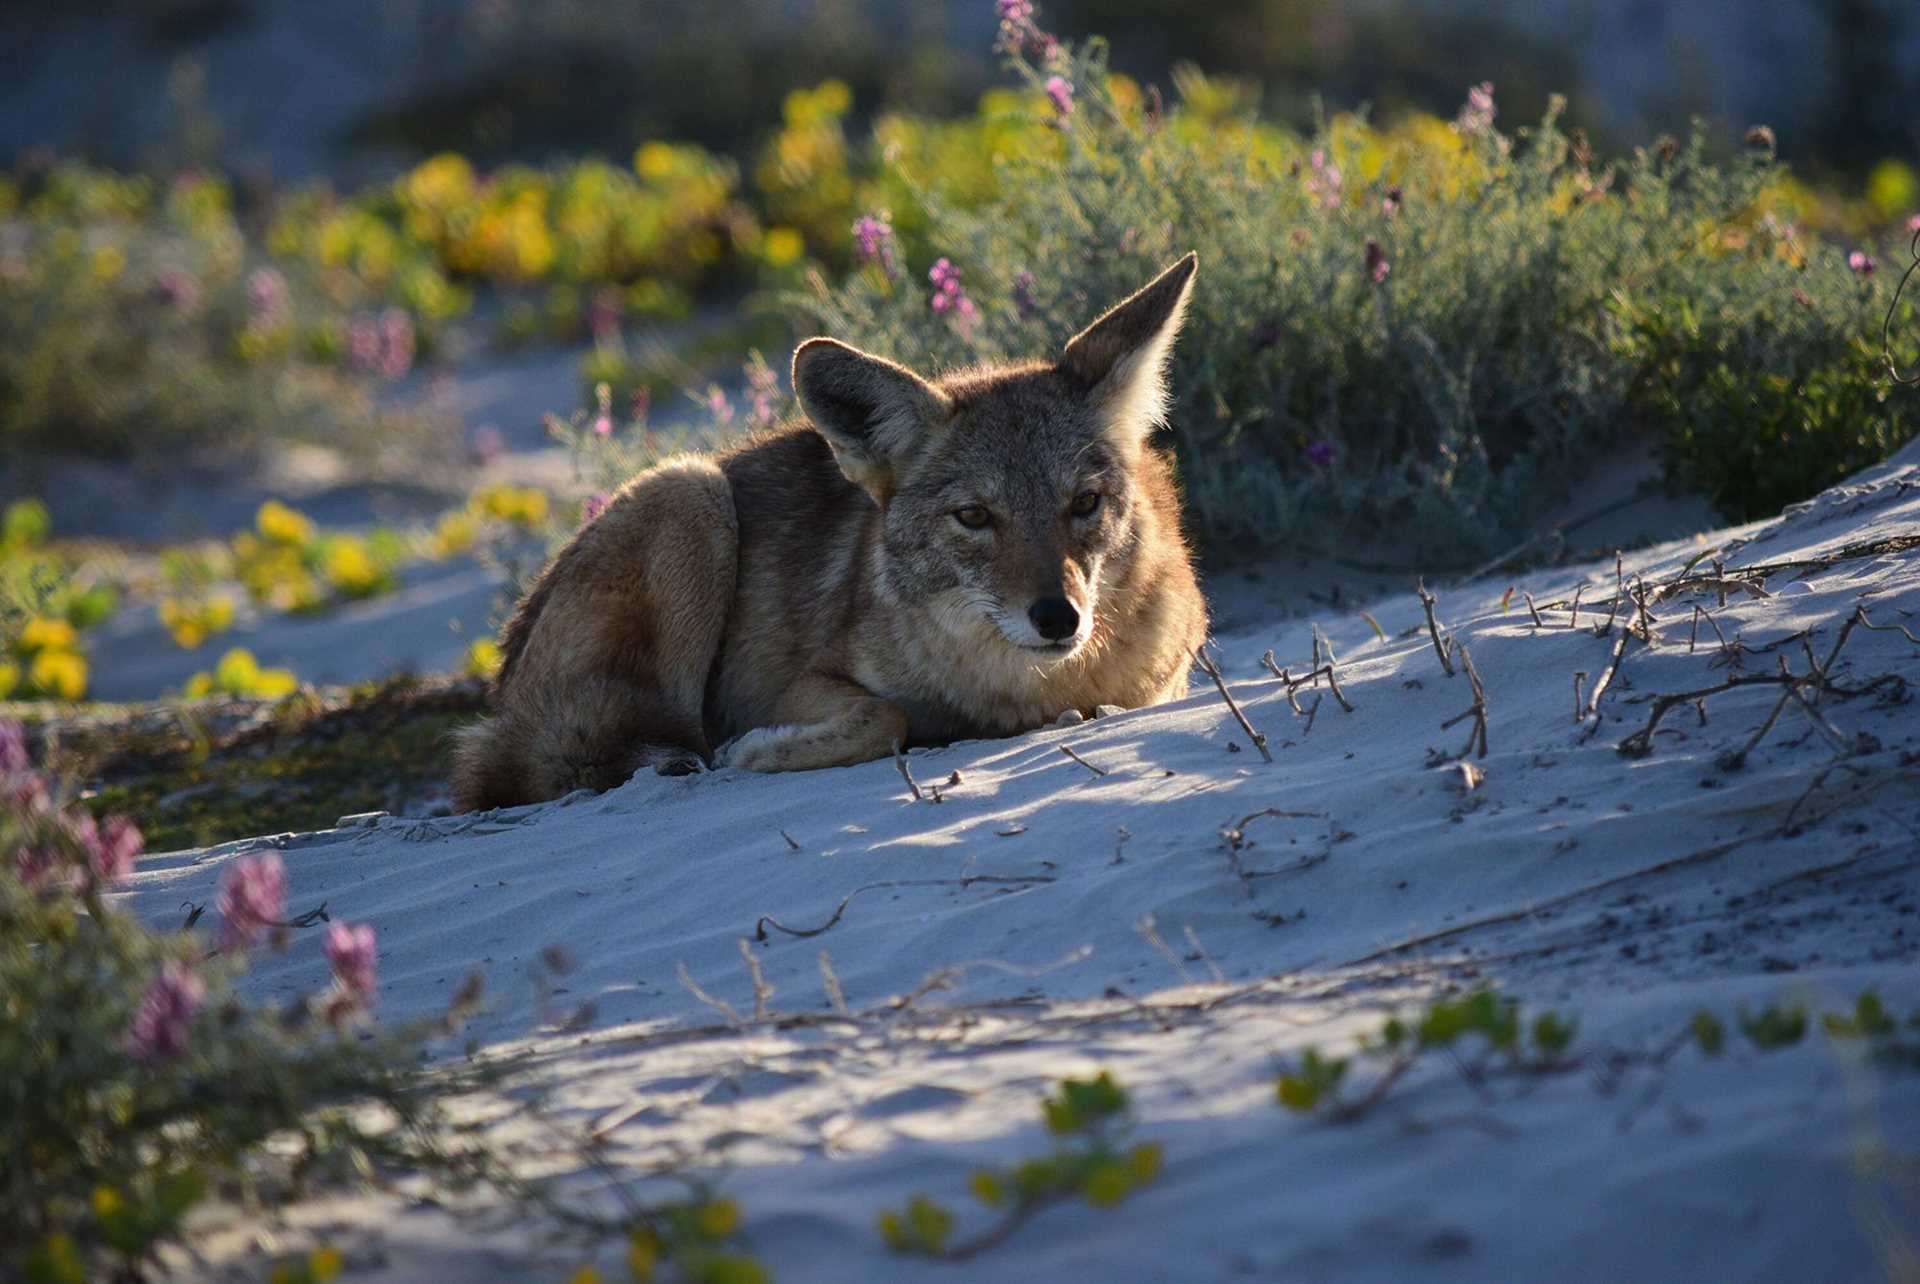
<point x="135" y="320"/>
<point x="1433" y="325"/>
<point x="133" y="1083"/>
<point x="47" y="603"/>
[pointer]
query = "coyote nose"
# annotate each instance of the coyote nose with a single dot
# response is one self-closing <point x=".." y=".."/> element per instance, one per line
<point x="1054" y="618"/>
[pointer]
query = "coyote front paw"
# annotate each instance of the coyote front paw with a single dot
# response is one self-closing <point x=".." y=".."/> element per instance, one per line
<point x="762" y="749"/>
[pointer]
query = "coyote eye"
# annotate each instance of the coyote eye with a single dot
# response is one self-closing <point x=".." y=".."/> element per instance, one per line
<point x="974" y="517"/>
<point x="1085" y="503"/>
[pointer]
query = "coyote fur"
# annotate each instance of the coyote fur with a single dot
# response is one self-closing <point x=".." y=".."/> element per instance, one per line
<point x="920" y="561"/>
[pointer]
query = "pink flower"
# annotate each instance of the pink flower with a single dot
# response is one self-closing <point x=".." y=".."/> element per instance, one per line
<point x="486" y="444"/>
<point x="763" y="388"/>
<point x="1862" y="263"/>
<point x="397" y="343"/>
<point x="352" y="955"/>
<point x="178" y="289"/>
<point x="252" y="897"/>
<point x="363" y="344"/>
<point x="1476" y="118"/>
<point x="603" y="425"/>
<point x="1060" y="90"/>
<point x="1377" y="265"/>
<point x="109" y="849"/>
<point x="641" y="403"/>
<point x="1324" y="180"/>
<point x="1390" y="204"/>
<point x="949" y="296"/>
<point x="1913" y="224"/>
<point x="163" y="1020"/>
<point x="593" y="507"/>
<point x="13" y="747"/>
<point x="603" y="315"/>
<point x="718" y="406"/>
<point x="266" y="299"/>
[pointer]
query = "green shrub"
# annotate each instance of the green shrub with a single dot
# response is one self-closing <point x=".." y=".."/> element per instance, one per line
<point x="134" y="322"/>
<point x="1434" y="327"/>
<point x="133" y="1084"/>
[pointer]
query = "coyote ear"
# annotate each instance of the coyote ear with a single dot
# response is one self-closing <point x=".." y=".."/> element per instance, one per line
<point x="1121" y="358"/>
<point x="871" y="411"/>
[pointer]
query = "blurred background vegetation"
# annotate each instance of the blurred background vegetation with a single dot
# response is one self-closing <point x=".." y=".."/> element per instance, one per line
<point x="1457" y="255"/>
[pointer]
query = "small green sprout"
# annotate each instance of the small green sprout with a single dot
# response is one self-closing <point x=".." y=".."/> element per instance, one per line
<point x="1088" y="1116"/>
<point x="1774" y="1027"/>
<point x="1709" y="1032"/>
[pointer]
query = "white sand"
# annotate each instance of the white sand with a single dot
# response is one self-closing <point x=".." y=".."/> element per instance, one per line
<point x="1628" y="891"/>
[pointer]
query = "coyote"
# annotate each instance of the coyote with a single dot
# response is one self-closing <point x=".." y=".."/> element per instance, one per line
<point x="921" y="561"/>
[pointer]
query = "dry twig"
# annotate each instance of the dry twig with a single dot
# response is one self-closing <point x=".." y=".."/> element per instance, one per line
<point x="1427" y="603"/>
<point x="1478" y="711"/>
<point x="1212" y="670"/>
<point x="1068" y="750"/>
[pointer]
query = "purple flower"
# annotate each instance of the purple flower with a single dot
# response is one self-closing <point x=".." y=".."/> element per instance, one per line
<point x="1476" y="117"/>
<point x="594" y="506"/>
<point x="353" y="958"/>
<point x="162" y="1021"/>
<point x="1321" y="454"/>
<point x="1377" y="265"/>
<point x="1862" y="263"/>
<point x="718" y="406"/>
<point x="873" y="242"/>
<point x="252" y="897"/>
<point x="13" y="747"/>
<point x="1060" y="90"/>
<point x="1023" y="301"/>
<point x="266" y="299"/>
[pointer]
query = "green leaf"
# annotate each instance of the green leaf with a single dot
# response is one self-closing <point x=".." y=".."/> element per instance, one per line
<point x="1709" y="1032"/>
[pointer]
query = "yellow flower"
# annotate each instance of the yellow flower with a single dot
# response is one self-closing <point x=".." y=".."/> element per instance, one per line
<point x="654" y="160"/>
<point x="454" y="534"/>
<point x="585" y="1275"/>
<point x="349" y="567"/>
<point x="643" y="1254"/>
<point x="109" y="261"/>
<point x="483" y="658"/>
<point x="324" y="1263"/>
<point x="59" y="673"/>
<point x="44" y="634"/>
<point x="106" y="1202"/>
<point x="719" y="1218"/>
<point x="283" y="525"/>
<point x="9" y="678"/>
<point x="782" y="246"/>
